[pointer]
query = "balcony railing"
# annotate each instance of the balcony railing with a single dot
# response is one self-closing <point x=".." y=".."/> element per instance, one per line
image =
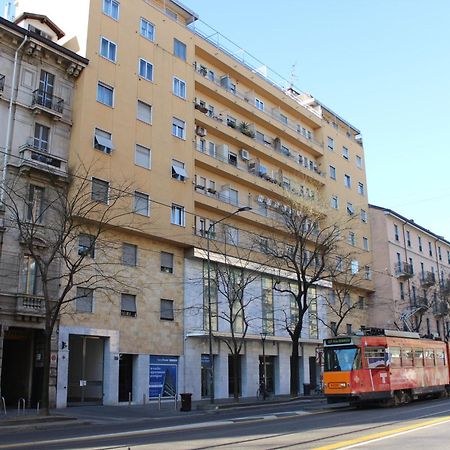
<point x="39" y="158"/>
<point x="403" y="270"/>
<point x="30" y="305"/>
<point x="48" y="102"/>
<point x="2" y="82"/>
<point x="249" y="97"/>
<point x="427" y="279"/>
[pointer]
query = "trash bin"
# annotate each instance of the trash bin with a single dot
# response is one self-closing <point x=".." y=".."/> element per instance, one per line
<point x="186" y="402"/>
<point x="306" y="389"/>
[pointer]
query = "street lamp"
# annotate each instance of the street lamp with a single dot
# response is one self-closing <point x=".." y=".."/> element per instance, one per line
<point x="263" y="338"/>
<point x="210" y="335"/>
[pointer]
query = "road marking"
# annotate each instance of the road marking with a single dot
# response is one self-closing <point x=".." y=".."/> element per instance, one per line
<point x="384" y="434"/>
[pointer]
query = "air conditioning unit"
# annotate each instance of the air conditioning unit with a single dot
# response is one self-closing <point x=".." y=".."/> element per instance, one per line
<point x="244" y="154"/>
<point x="200" y="131"/>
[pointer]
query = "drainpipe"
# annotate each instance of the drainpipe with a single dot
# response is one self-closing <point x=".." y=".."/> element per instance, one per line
<point x="9" y="126"/>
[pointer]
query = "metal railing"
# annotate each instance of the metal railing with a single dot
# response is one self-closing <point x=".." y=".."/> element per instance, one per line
<point x="403" y="269"/>
<point x="49" y="101"/>
<point x="30" y="152"/>
<point x="427" y="279"/>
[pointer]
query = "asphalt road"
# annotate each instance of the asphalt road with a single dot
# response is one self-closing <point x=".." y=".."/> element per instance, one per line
<point x="421" y="425"/>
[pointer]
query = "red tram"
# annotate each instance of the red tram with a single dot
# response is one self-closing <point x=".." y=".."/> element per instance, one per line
<point x="384" y="366"/>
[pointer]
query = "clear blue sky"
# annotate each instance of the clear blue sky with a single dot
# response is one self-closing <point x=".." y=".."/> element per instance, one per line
<point x="382" y="65"/>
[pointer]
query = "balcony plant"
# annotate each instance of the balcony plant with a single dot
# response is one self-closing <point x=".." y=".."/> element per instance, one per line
<point x="245" y="128"/>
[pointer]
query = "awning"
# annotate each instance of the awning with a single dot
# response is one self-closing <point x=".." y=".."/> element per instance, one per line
<point x="104" y="142"/>
<point x="180" y="171"/>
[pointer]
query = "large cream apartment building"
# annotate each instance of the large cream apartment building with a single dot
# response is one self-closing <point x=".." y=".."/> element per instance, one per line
<point x="194" y="133"/>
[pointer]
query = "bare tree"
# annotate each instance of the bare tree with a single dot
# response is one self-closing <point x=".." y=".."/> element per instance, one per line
<point x="305" y="242"/>
<point x="60" y="228"/>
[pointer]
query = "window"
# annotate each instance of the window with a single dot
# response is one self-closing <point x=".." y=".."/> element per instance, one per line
<point x="128" y="305"/>
<point x="358" y="162"/>
<point x="86" y="245"/>
<point x="105" y="94"/>
<point x="354" y="266"/>
<point x="351" y="238"/>
<point x="361" y="302"/>
<point x="396" y="235"/>
<point x="330" y="143"/>
<point x="179" y="87"/>
<point x="84" y="301"/>
<point x="144" y="112"/>
<point x="364" y="216"/>
<point x="111" y="8"/>
<point x="231" y="234"/>
<point x="283" y="119"/>
<point x="166" y="311"/>
<point x="267" y="305"/>
<point x="103" y="141"/>
<point x="29" y="276"/>
<point x="367" y="273"/>
<point x="141" y="203"/>
<point x="178" y="170"/>
<point x="350" y="209"/>
<point x="211" y="75"/>
<point x="360" y="188"/>
<point x="232" y="159"/>
<point x="420" y="244"/>
<point x="259" y="104"/>
<point x="179" y="49"/>
<point x="166" y="262"/>
<point x="231" y="121"/>
<point x="35" y="203"/>
<point x="145" y="69"/>
<point x="147" y="30"/>
<point x="439" y="253"/>
<point x="332" y="172"/>
<point x="177" y="215"/>
<point x="41" y="135"/>
<point x="349" y="328"/>
<point x="335" y="202"/>
<point x="178" y="128"/>
<point x="143" y="156"/>
<point x="408" y="238"/>
<point x="100" y="190"/>
<point x="173" y="15"/>
<point x="347" y="181"/>
<point x="108" y="49"/>
<point x="233" y="196"/>
<point x="365" y="243"/>
<point x="129" y="254"/>
<point x="402" y="291"/>
<point x="430" y="249"/>
<point x="333" y="327"/>
<point x="345" y="152"/>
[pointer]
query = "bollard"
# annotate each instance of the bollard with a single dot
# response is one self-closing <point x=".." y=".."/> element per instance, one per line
<point x="175" y="401"/>
<point x="21" y="406"/>
<point x="129" y="398"/>
<point x="37" y="408"/>
<point x="4" y="405"/>
<point x="159" y="401"/>
<point x="144" y="399"/>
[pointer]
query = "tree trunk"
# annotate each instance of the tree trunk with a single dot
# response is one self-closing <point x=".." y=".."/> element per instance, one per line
<point x="45" y="407"/>
<point x="294" y="368"/>
<point x="235" y="376"/>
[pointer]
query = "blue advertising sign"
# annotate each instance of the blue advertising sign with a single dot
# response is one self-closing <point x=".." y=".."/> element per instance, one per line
<point x="163" y="376"/>
<point x="206" y="361"/>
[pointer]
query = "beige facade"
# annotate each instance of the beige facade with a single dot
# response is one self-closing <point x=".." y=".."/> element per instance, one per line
<point x="194" y="133"/>
<point x="411" y="272"/>
<point x="37" y="79"/>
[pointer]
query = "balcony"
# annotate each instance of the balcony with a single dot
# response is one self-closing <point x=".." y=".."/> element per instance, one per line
<point x="445" y="286"/>
<point x="427" y="279"/>
<point x="2" y="83"/>
<point x="421" y="303"/>
<point x="403" y="270"/>
<point x="440" y="308"/>
<point x="30" y="305"/>
<point x="36" y="157"/>
<point x="47" y="103"/>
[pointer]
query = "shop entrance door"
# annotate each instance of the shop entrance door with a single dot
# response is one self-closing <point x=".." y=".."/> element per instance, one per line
<point x="85" y="370"/>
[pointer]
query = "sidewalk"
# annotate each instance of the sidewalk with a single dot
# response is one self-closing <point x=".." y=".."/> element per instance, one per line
<point x="132" y="413"/>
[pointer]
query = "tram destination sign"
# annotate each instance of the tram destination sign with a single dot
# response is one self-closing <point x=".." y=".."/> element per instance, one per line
<point x="338" y="341"/>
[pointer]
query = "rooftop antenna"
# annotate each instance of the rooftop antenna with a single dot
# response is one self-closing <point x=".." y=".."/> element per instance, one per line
<point x="294" y="78"/>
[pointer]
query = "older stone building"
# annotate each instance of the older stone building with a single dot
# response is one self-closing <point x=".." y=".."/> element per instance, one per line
<point x="37" y="79"/>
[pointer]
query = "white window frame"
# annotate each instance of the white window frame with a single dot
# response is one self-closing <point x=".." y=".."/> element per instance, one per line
<point x="259" y="104"/>
<point x="178" y="128"/>
<point x="335" y="201"/>
<point x="345" y="152"/>
<point x="139" y="147"/>
<point x="332" y="172"/>
<point x="363" y="216"/>
<point x="178" y="170"/>
<point x="347" y="181"/>
<point x="175" y="49"/>
<point x="144" y="33"/>
<point x="103" y="87"/>
<point x="110" y="45"/>
<point x="359" y="162"/>
<point x="95" y="179"/>
<point x="179" y="88"/>
<point x="108" y="9"/>
<point x="365" y="243"/>
<point x="178" y="215"/>
<point x="83" y="300"/>
<point x="150" y="111"/>
<point x="330" y="143"/>
<point x="103" y="141"/>
<point x="145" y="69"/>
<point x="360" y="188"/>
<point x="143" y="197"/>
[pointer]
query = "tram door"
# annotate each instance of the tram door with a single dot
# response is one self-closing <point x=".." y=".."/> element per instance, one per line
<point x="85" y="369"/>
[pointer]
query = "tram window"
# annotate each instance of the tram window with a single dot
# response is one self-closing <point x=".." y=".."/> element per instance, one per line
<point x="407" y="357"/>
<point x="375" y="357"/>
<point x="342" y="359"/>
<point x="418" y="357"/>
<point x="429" y="357"/>
<point x="440" y="357"/>
<point x="395" y="356"/>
